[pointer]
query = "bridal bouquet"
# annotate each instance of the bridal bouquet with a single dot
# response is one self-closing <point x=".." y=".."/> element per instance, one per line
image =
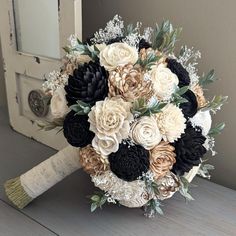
<point x="135" y="116"/>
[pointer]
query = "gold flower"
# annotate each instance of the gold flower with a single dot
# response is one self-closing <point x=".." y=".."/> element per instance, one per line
<point x="129" y="83"/>
<point x="162" y="158"/>
<point x="198" y="91"/>
<point x="167" y="186"/>
<point x="92" y="162"/>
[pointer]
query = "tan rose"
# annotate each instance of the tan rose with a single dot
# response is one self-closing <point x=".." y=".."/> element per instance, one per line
<point x="111" y="117"/>
<point x="146" y="132"/>
<point x="92" y="162"/>
<point x="171" y="122"/>
<point x="105" y="145"/>
<point x="58" y="104"/>
<point x="118" y="54"/>
<point x="162" y="158"/>
<point x="164" y="81"/>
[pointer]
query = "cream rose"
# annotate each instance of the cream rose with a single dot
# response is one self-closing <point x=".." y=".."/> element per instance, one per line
<point x="171" y="122"/>
<point x="105" y="145"/>
<point x="111" y="117"/>
<point x="58" y="104"/>
<point x="118" y="54"/>
<point x="146" y="132"/>
<point x="203" y="120"/>
<point x="164" y="81"/>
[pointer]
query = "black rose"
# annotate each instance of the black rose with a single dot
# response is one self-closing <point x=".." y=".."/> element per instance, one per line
<point x="189" y="149"/>
<point x="76" y="130"/>
<point x="178" y="69"/>
<point x="129" y="162"/>
<point x="89" y="83"/>
<point x="189" y="108"/>
<point x="143" y="44"/>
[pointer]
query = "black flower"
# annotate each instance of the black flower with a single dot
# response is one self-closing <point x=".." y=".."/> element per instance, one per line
<point x="76" y="130"/>
<point x="179" y="70"/>
<point x="89" y="83"/>
<point x="143" y="44"/>
<point x="129" y="162"/>
<point x="115" y="40"/>
<point x="189" y="149"/>
<point x="189" y="108"/>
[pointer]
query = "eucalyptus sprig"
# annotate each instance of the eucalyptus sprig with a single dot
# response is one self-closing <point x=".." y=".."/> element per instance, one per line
<point x="217" y="129"/>
<point x="98" y="200"/>
<point x="152" y="208"/>
<point x="184" y="189"/>
<point x="81" y="108"/>
<point x="177" y="98"/>
<point x="207" y="79"/>
<point x="165" y="37"/>
<point x="148" y="62"/>
<point x="50" y="125"/>
<point x="84" y="49"/>
<point x="215" y="104"/>
<point x="141" y="108"/>
<point x="204" y="170"/>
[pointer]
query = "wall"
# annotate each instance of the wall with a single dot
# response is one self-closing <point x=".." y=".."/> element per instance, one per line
<point x="2" y="82"/>
<point x="208" y="26"/>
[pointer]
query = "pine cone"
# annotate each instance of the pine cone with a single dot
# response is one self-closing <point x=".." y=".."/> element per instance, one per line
<point x="167" y="186"/>
<point x="198" y="91"/>
<point x="129" y="82"/>
<point x="88" y="84"/>
<point x="162" y="158"/>
<point x="92" y="162"/>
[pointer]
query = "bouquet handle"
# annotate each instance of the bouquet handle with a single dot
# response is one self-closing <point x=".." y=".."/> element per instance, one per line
<point x="23" y="189"/>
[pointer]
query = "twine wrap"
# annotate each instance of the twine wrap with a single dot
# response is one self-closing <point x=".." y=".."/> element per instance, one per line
<point x="43" y="176"/>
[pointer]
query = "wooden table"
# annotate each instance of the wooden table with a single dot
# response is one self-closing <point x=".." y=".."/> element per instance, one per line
<point x="64" y="210"/>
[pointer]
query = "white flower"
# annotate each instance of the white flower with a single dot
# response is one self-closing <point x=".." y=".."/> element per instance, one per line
<point x="117" y="54"/>
<point x="130" y="194"/>
<point x="105" y="145"/>
<point x="164" y="81"/>
<point x="203" y="120"/>
<point x="111" y="117"/>
<point x="171" y="122"/>
<point x="58" y="104"/>
<point x="146" y="132"/>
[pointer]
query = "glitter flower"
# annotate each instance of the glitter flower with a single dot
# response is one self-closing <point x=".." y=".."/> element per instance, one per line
<point x="171" y="122"/>
<point x="129" y="194"/>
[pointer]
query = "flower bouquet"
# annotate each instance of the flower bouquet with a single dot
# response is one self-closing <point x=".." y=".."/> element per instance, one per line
<point x="134" y="114"/>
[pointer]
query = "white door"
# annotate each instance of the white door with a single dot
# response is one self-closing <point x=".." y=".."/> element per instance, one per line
<point x="33" y="33"/>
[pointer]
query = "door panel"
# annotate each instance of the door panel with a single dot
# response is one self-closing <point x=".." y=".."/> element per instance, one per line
<point x="29" y="56"/>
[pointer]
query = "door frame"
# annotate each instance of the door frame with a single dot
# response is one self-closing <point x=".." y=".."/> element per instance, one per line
<point x="15" y="62"/>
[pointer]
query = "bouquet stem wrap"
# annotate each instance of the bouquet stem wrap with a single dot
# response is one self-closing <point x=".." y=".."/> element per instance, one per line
<point x="23" y="189"/>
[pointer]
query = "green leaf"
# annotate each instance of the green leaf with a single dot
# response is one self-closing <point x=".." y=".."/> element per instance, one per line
<point x="182" y="90"/>
<point x="207" y="79"/>
<point x="204" y="170"/>
<point x="165" y="37"/>
<point x="50" y="125"/>
<point x="95" y="198"/>
<point x="93" y="207"/>
<point x="217" y="129"/>
<point x="184" y="188"/>
<point x="81" y="108"/>
<point x="215" y="104"/>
